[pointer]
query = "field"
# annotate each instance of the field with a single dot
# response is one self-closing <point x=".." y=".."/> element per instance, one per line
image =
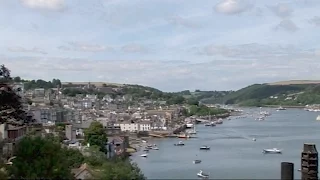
<point x="295" y="82"/>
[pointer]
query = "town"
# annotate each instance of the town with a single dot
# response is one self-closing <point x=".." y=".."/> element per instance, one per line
<point x="126" y="121"/>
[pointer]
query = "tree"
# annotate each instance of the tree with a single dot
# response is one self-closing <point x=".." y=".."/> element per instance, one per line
<point x="96" y="135"/>
<point x="120" y="169"/>
<point x="17" y="79"/>
<point x="11" y="110"/>
<point x="37" y="157"/>
<point x="94" y="156"/>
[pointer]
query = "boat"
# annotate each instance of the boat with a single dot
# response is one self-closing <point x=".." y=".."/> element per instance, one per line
<point x="155" y="148"/>
<point x="180" y="143"/>
<point x="280" y="108"/>
<point x="205" y="148"/>
<point x="144" y="155"/>
<point x="189" y="125"/>
<point x="146" y="150"/>
<point x="272" y="151"/>
<point x="183" y="136"/>
<point x="260" y="118"/>
<point x="253" y="139"/>
<point x="144" y="141"/>
<point x="210" y="124"/>
<point x="193" y="131"/>
<point x="202" y="174"/>
<point x="318" y="118"/>
<point x="196" y="161"/>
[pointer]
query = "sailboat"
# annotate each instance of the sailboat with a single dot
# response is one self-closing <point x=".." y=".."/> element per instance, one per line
<point x="210" y="123"/>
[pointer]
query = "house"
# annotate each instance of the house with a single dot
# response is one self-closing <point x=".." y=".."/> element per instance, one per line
<point x="83" y="172"/>
<point x="144" y="126"/>
<point x="128" y="126"/>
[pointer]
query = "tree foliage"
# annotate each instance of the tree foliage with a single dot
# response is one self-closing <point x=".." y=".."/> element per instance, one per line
<point x="120" y="169"/>
<point x="203" y="110"/>
<point x="37" y="157"/>
<point x="11" y="110"/>
<point x="96" y="135"/>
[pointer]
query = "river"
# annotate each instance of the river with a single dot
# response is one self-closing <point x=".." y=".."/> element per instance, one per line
<point x="233" y="154"/>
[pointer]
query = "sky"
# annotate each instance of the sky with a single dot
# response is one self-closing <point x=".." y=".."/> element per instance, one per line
<point x="172" y="45"/>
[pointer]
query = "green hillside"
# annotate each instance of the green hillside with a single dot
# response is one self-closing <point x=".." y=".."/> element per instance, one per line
<point x="266" y="94"/>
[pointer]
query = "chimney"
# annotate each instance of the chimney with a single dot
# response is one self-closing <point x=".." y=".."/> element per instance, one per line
<point x="309" y="162"/>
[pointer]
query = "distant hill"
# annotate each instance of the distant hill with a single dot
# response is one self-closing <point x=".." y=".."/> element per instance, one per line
<point x="97" y="84"/>
<point x="291" y="93"/>
<point x="295" y="82"/>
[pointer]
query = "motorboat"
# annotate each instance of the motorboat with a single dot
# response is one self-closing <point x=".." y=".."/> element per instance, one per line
<point x="205" y="148"/>
<point x="210" y="124"/>
<point x="146" y="150"/>
<point x="202" y="174"/>
<point x="144" y="141"/>
<point x="196" y="161"/>
<point x="280" y="108"/>
<point x="272" y="151"/>
<point x="260" y="118"/>
<point x="318" y="118"/>
<point x="144" y="155"/>
<point x="155" y="148"/>
<point x="253" y="139"/>
<point x="180" y="143"/>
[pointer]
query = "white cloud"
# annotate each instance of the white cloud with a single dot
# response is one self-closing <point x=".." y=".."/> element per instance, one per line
<point x="25" y="50"/>
<point x="84" y="47"/>
<point x="231" y="7"/>
<point x="315" y="20"/>
<point x="287" y="25"/>
<point x="44" y="4"/>
<point x="281" y="10"/>
<point x="180" y="21"/>
<point x="134" y="48"/>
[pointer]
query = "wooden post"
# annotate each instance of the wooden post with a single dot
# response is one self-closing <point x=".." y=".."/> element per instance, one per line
<point x="287" y="169"/>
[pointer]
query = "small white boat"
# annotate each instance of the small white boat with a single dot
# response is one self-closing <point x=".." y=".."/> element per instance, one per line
<point x="144" y="155"/>
<point x="253" y="139"/>
<point x="205" y="148"/>
<point x="180" y="143"/>
<point x="280" y="108"/>
<point x="155" y="148"/>
<point x="210" y="124"/>
<point x="318" y="118"/>
<point x="272" y="151"/>
<point x="144" y="141"/>
<point x="202" y="174"/>
<point x="196" y="161"/>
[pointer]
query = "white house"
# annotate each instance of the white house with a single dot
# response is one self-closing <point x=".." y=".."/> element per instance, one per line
<point x="144" y="126"/>
<point x="126" y="126"/>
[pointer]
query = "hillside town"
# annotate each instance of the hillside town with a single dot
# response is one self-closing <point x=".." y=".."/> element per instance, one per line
<point x="124" y="124"/>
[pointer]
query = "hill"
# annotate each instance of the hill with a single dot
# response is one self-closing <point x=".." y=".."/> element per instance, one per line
<point x="289" y="93"/>
<point x="296" y="82"/>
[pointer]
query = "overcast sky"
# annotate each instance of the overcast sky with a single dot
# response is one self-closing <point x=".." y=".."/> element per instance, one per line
<point x="172" y="45"/>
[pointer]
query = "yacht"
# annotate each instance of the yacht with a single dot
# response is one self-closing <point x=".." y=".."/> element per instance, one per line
<point x="180" y="143"/>
<point x="272" y="151"/>
<point x="202" y="174"/>
<point x="144" y="155"/>
<point x="318" y="118"/>
<point x="196" y="161"/>
<point x="205" y="148"/>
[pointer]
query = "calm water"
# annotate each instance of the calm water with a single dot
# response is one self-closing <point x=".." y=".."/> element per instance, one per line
<point x="233" y="154"/>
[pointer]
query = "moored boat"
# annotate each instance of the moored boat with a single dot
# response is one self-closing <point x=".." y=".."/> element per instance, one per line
<point x="196" y="161"/>
<point x="202" y="174"/>
<point x="272" y="151"/>
<point x="180" y="143"/>
<point x="205" y="148"/>
<point x="318" y="118"/>
<point x="144" y="155"/>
